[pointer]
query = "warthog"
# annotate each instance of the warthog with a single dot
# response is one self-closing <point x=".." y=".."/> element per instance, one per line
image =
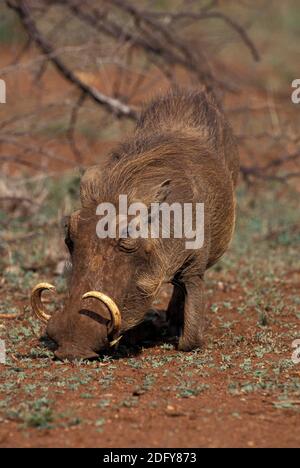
<point x="183" y="151"/>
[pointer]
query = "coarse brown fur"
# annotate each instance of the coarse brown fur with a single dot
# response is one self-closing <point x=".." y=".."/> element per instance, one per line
<point x="182" y="150"/>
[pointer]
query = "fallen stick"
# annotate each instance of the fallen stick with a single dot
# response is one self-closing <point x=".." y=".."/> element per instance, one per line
<point x="10" y="316"/>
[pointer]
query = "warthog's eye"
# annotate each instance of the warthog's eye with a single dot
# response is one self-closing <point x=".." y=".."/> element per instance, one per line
<point x="65" y="223"/>
<point x="69" y="243"/>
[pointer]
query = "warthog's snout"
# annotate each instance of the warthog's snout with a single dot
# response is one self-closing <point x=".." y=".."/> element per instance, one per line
<point x="71" y="348"/>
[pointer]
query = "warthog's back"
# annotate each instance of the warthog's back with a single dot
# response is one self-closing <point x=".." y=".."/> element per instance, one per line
<point x="196" y="114"/>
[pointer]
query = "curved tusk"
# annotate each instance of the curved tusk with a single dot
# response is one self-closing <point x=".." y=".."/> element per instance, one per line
<point x="112" y="307"/>
<point x="116" y="341"/>
<point x="36" y="302"/>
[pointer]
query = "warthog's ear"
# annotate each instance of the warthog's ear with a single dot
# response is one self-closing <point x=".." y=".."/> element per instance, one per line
<point x="159" y="195"/>
<point x="90" y="185"/>
<point x="162" y="191"/>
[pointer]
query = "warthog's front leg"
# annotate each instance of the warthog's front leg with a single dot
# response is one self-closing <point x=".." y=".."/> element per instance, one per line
<point x="175" y="310"/>
<point x="194" y="322"/>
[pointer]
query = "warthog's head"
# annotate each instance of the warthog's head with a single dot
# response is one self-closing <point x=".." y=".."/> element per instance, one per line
<point x="111" y="281"/>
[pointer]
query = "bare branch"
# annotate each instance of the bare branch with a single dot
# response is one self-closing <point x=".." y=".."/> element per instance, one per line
<point x="205" y="74"/>
<point x="72" y="125"/>
<point x="283" y="159"/>
<point x="18" y="199"/>
<point x="17" y="160"/>
<point x="10" y="316"/>
<point x="172" y="50"/>
<point x="112" y="105"/>
<point x="261" y="172"/>
<point x="207" y="14"/>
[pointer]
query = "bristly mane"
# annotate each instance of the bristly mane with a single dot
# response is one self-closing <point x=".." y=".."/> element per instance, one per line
<point x="179" y="125"/>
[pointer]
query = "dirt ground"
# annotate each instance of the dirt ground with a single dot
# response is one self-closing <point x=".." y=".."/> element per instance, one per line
<point x="234" y="393"/>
